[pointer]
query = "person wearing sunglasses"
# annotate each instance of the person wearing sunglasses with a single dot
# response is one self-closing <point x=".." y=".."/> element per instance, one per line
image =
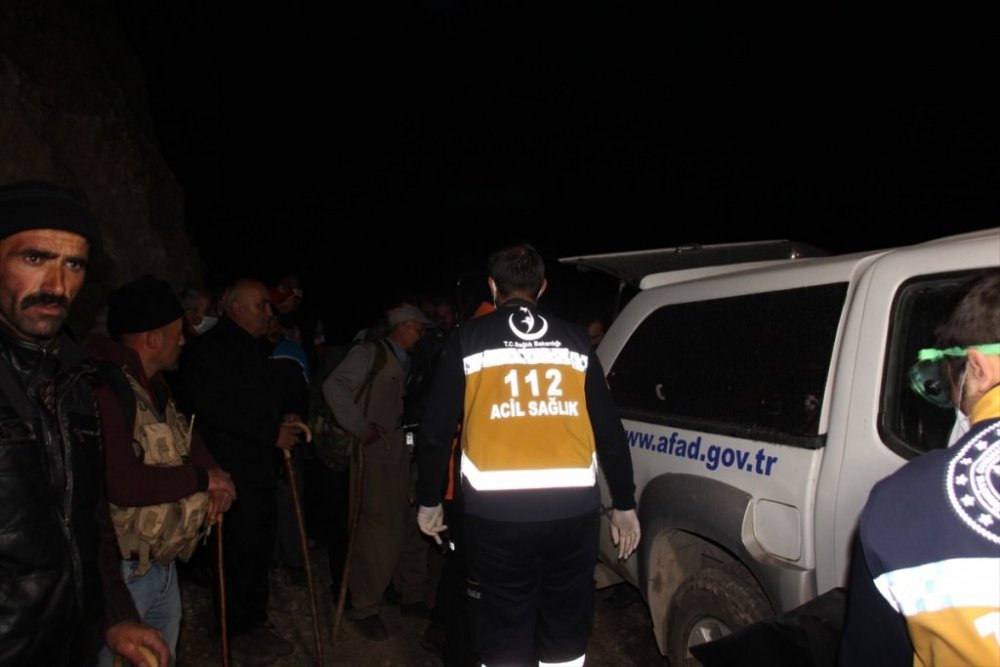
<point x="925" y="580"/>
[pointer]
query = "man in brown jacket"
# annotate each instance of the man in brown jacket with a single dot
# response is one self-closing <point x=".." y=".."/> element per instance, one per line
<point x="388" y="548"/>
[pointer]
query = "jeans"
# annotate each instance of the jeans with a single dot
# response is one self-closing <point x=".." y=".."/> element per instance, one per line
<point x="158" y="601"/>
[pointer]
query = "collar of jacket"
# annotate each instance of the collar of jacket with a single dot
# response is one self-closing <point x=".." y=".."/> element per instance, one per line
<point x="59" y="354"/>
<point x="227" y="327"/>
<point x="517" y="302"/>
<point x="102" y="348"/>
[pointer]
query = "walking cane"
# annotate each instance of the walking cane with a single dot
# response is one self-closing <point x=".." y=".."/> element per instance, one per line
<point x="149" y="656"/>
<point x="221" y="579"/>
<point x="352" y="531"/>
<point x="293" y="483"/>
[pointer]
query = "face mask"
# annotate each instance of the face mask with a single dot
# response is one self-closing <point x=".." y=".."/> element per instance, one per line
<point x="960" y="428"/>
<point x="206" y="323"/>
<point x="962" y="424"/>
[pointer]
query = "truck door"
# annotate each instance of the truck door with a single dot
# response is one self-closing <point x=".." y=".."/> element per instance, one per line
<point x="876" y="423"/>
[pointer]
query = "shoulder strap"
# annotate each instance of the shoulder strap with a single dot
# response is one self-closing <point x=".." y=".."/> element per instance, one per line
<point x="377" y="364"/>
<point x="114" y="377"/>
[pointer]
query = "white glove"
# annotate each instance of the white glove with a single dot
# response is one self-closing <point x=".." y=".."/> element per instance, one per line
<point x="625" y="532"/>
<point x="431" y="521"/>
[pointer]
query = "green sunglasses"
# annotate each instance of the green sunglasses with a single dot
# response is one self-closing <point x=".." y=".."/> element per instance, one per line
<point x="926" y="377"/>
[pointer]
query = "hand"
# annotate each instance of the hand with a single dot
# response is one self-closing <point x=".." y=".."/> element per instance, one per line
<point x="288" y="434"/>
<point x="431" y="521"/>
<point x="219" y="502"/>
<point x="303" y="429"/>
<point x="219" y="480"/>
<point x="295" y="420"/>
<point x="221" y="493"/>
<point x="625" y="532"/>
<point x="129" y="638"/>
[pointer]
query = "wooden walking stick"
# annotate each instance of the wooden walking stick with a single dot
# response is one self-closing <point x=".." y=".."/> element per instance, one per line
<point x="352" y="531"/>
<point x="221" y="579"/>
<point x="293" y="483"/>
<point x="358" y="479"/>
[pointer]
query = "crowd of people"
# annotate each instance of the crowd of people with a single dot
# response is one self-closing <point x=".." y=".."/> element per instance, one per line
<point x="132" y="456"/>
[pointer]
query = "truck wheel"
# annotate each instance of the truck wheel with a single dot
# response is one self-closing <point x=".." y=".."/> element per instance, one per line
<point x="708" y="605"/>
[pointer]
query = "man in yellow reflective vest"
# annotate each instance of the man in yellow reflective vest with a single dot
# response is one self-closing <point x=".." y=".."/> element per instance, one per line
<point x="537" y="419"/>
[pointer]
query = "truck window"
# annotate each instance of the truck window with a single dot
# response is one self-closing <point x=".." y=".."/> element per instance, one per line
<point x="754" y="364"/>
<point x="908" y="424"/>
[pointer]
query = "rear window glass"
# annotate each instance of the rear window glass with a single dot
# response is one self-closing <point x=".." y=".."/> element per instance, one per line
<point x="736" y="366"/>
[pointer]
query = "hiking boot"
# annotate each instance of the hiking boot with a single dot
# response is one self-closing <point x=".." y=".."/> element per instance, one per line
<point x="271" y="642"/>
<point x="372" y="628"/>
<point x="246" y="650"/>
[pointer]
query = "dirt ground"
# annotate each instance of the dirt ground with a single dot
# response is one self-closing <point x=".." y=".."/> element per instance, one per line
<point x="622" y="635"/>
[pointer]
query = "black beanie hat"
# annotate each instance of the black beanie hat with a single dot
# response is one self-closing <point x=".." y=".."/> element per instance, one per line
<point x="38" y="205"/>
<point x="145" y="304"/>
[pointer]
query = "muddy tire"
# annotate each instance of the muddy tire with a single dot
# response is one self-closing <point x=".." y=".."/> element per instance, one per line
<point x="708" y="605"/>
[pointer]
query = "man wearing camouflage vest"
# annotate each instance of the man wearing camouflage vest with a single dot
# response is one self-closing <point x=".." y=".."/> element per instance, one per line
<point x="163" y="485"/>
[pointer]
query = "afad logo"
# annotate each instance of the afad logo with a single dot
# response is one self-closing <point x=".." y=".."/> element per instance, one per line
<point x="974" y="483"/>
<point x="525" y="326"/>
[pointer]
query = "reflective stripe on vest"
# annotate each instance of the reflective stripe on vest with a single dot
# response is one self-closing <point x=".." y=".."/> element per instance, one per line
<point x="505" y="356"/>
<point x="546" y="478"/>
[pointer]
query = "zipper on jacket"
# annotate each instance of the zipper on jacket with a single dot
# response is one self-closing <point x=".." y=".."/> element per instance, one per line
<point x="67" y="452"/>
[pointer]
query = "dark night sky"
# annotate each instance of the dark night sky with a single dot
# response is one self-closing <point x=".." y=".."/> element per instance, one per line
<point x="582" y="127"/>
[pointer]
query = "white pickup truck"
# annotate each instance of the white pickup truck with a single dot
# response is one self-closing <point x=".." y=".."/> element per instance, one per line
<point x="762" y="400"/>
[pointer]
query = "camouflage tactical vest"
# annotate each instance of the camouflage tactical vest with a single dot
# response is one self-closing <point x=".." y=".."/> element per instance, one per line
<point x="166" y="531"/>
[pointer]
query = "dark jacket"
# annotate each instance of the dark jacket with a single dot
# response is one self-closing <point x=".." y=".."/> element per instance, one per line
<point x="57" y="546"/>
<point x="228" y="389"/>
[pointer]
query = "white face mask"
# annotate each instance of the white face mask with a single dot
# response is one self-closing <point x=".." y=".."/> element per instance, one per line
<point x="962" y="424"/>
<point x="206" y="323"/>
<point x="960" y="428"/>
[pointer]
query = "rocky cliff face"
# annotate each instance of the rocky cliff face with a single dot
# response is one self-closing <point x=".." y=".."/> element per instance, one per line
<point x="73" y="111"/>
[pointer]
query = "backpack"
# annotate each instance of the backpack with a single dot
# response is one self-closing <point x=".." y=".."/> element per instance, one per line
<point x="332" y="441"/>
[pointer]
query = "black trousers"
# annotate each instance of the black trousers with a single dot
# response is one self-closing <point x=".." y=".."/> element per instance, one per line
<point x="249" y="530"/>
<point x="531" y="587"/>
<point x="330" y="497"/>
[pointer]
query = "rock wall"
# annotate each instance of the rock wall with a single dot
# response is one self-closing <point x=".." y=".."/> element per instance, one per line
<point x="73" y="111"/>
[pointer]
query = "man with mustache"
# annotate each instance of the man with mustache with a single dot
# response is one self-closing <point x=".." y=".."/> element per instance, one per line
<point x="57" y="549"/>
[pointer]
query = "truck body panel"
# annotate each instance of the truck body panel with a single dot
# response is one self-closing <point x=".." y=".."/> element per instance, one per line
<point x="765" y="469"/>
